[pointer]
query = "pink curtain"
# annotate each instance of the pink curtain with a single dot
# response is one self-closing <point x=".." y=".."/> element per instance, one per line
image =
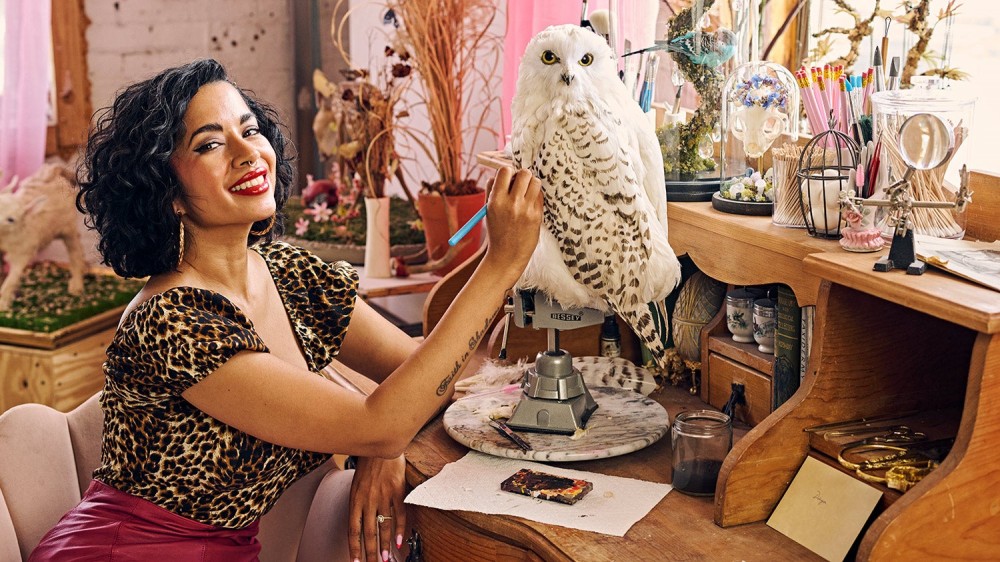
<point x="525" y="18"/>
<point x="24" y="99"/>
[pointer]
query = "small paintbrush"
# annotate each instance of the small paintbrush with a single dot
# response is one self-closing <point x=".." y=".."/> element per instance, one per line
<point x="507" y="432"/>
<point x="893" y="75"/>
<point x="877" y="65"/>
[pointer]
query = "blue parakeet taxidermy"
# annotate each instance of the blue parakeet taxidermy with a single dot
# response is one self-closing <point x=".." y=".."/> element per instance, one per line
<point x="708" y="49"/>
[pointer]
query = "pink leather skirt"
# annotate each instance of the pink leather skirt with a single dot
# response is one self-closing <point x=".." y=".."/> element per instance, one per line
<point x="111" y="525"/>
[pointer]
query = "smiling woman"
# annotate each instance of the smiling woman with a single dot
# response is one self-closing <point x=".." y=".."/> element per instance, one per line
<point x="173" y="150"/>
<point x="226" y="166"/>
<point x="214" y="401"/>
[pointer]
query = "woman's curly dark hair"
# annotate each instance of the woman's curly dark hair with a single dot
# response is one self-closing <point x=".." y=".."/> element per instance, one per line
<point x="127" y="185"/>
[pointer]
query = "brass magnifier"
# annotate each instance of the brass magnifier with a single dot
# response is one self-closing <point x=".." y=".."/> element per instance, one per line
<point x="925" y="142"/>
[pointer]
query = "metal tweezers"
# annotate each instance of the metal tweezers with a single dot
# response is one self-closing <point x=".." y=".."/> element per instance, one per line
<point x="507" y="432"/>
<point x="858" y="423"/>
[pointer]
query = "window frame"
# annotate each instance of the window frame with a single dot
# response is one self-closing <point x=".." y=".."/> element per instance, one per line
<point x="73" y="105"/>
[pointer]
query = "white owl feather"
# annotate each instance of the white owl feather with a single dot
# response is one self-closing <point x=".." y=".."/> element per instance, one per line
<point x="603" y="240"/>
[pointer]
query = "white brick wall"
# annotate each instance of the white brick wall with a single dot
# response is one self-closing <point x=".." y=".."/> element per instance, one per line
<point x="129" y="40"/>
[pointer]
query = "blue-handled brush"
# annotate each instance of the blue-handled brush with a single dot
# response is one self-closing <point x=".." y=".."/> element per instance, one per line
<point x="457" y="237"/>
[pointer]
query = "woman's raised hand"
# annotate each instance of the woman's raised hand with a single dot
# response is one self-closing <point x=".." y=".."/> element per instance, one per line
<point x="514" y="215"/>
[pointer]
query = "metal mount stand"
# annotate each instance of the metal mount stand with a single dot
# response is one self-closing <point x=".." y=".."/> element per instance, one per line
<point x="555" y="398"/>
<point x="902" y="255"/>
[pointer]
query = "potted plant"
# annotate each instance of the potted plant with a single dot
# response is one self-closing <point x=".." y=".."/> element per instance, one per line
<point x="452" y="52"/>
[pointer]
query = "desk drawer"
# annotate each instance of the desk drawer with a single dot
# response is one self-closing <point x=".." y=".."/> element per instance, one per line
<point x="445" y="537"/>
<point x="723" y="372"/>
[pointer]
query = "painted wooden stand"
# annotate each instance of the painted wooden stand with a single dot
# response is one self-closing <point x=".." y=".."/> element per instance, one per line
<point x="61" y="369"/>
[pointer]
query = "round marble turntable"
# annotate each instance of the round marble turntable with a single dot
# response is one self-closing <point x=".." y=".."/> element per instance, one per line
<point x="625" y="421"/>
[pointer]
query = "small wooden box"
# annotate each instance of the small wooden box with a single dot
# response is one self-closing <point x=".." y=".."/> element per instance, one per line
<point x="60" y="369"/>
<point x="757" y="388"/>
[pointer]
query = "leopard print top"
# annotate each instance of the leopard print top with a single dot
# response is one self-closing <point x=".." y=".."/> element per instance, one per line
<point x="158" y="446"/>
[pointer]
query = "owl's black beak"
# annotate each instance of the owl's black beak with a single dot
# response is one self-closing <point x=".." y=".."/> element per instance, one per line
<point x="566" y="78"/>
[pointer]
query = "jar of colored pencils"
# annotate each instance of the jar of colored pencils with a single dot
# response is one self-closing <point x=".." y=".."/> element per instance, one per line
<point x="889" y="110"/>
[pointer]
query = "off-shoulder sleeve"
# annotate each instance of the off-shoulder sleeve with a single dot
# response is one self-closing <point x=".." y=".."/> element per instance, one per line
<point x="321" y="296"/>
<point x="177" y="339"/>
<point x="334" y="304"/>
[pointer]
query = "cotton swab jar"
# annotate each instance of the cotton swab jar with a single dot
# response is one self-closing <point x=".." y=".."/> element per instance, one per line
<point x="889" y="110"/>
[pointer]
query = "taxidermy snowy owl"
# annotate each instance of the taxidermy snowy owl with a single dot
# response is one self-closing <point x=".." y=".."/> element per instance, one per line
<point x="603" y="240"/>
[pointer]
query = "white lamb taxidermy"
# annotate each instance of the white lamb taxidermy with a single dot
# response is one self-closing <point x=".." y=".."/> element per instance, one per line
<point x="40" y="211"/>
<point x="603" y="240"/>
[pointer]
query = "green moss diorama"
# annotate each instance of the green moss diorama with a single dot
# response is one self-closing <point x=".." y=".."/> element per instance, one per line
<point x="44" y="305"/>
<point x="349" y="227"/>
<point x="707" y="81"/>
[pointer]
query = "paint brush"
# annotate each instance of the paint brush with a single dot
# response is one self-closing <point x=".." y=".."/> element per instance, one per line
<point x="457" y="237"/>
<point x="601" y="20"/>
<point x="649" y="84"/>
<point x="877" y="65"/>
<point x="584" y="21"/>
<point x="885" y="42"/>
<point x="893" y="74"/>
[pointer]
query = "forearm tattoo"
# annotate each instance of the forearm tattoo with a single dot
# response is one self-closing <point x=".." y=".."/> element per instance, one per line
<point x="473" y="344"/>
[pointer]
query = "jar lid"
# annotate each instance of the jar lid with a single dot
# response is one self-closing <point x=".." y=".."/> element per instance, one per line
<point x="921" y="101"/>
<point x="744" y="302"/>
<point x="765" y="303"/>
<point x="698" y="421"/>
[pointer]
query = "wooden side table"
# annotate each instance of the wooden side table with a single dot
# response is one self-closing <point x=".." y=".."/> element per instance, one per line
<point x="376" y="287"/>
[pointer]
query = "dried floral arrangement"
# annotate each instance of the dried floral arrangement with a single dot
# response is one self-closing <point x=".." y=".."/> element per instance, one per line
<point x="43" y="305"/>
<point x="753" y="187"/>
<point x="454" y="57"/>
<point x="761" y="91"/>
<point x="356" y="123"/>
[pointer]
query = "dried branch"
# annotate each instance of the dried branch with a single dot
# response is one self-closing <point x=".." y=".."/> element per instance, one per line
<point x="862" y="29"/>
<point x="916" y="22"/>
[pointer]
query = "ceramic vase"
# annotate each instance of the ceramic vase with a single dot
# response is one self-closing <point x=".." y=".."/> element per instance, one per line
<point x="377" y="256"/>
<point x="822" y="197"/>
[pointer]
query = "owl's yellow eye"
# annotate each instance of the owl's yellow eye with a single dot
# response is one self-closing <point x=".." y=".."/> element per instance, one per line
<point x="587" y="59"/>
<point x="548" y="57"/>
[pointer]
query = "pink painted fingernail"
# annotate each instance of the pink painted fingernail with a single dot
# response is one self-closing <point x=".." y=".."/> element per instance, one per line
<point x="399" y="541"/>
<point x="385" y="556"/>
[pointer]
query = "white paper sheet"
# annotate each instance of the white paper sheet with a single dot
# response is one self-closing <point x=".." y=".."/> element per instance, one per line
<point x="473" y="484"/>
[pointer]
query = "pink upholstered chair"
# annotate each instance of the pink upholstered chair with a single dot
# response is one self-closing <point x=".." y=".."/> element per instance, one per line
<point x="47" y="458"/>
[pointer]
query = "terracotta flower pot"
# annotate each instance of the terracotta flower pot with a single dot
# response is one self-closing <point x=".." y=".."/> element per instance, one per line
<point x="434" y="211"/>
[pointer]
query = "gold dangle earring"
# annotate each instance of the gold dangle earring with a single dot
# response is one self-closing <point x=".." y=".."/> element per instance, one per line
<point x="180" y="241"/>
<point x="266" y="229"/>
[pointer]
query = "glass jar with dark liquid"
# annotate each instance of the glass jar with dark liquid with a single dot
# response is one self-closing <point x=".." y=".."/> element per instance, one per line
<point x="700" y="439"/>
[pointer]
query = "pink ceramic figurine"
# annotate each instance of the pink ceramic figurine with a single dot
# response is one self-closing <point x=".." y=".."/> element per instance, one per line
<point x="860" y="234"/>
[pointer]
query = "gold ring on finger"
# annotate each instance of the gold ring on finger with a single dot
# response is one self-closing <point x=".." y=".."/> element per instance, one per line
<point x="382" y="518"/>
